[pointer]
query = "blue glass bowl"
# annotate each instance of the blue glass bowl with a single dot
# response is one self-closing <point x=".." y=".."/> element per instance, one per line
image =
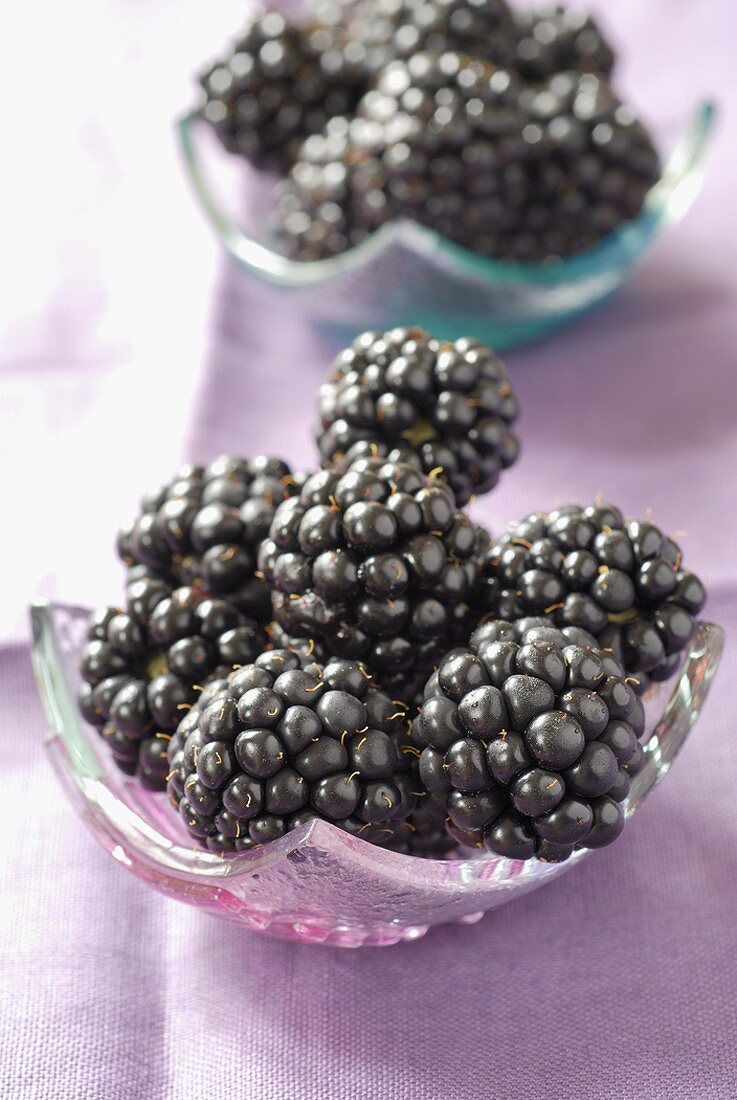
<point x="406" y="274"/>
<point x="317" y="884"/>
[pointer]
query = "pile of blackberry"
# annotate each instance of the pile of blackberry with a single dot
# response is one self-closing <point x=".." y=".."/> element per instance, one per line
<point x="378" y="563"/>
<point x="451" y="404"/>
<point x="142" y="665"/>
<point x="352" y="646"/>
<point x="498" y="129"/>
<point x="623" y="581"/>
<point x="505" y="168"/>
<point x="205" y="526"/>
<point x="530" y="735"/>
<point x="284" y="740"/>
<point x="277" y="84"/>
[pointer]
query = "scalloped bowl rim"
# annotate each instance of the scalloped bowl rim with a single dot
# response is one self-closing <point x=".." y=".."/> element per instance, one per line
<point x="439" y="874"/>
<point x="681" y="176"/>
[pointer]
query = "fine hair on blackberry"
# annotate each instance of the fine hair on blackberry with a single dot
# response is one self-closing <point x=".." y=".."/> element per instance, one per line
<point x="530" y="736"/>
<point x="622" y="580"/>
<point x="378" y="563"/>
<point x="204" y="528"/>
<point x="504" y="168"/>
<point x="282" y="741"/>
<point x="142" y="665"/>
<point x="277" y="84"/>
<point x="554" y="39"/>
<point x="448" y="403"/>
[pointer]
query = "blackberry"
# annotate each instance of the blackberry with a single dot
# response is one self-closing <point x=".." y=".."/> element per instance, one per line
<point x="386" y="30"/>
<point x="204" y="528"/>
<point x="279" y="83"/>
<point x="143" y="665"/>
<point x="438" y="141"/>
<point x="282" y="741"/>
<point x="378" y="563"/>
<point x="503" y="168"/>
<point x="591" y="163"/>
<point x="529" y="734"/>
<point x="554" y="39"/>
<point x="316" y="216"/>
<point x="451" y="404"/>
<point x="622" y="580"/>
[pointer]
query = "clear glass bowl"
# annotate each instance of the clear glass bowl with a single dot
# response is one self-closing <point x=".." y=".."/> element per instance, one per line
<point x="318" y="884"/>
<point x="406" y="274"/>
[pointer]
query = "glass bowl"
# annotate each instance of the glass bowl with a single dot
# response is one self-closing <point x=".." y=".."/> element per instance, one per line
<point x="406" y="274"/>
<point x="318" y="884"/>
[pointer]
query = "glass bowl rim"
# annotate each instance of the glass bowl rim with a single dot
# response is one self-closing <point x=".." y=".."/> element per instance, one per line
<point x="69" y="745"/>
<point x="666" y="202"/>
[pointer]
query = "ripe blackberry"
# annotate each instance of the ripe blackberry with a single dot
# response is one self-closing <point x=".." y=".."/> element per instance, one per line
<point x="438" y="141"/>
<point x="379" y="564"/>
<point x="554" y="39"/>
<point x="590" y="165"/>
<point x="278" y="638"/>
<point x="141" y="665"/>
<point x="530" y="736"/>
<point x="450" y="404"/>
<point x="622" y="580"/>
<point x="316" y="216"/>
<point x="279" y="83"/>
<point x="204" y="528"/>
<point x="386" y="30"/>
<point x="282" y="741"/>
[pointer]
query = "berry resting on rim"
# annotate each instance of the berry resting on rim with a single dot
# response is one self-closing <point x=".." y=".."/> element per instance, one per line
<point x="530" y="735"/>
<point x="624" y="581"/>
<point x="282" y="741"/>
<point x="142" y="665"/>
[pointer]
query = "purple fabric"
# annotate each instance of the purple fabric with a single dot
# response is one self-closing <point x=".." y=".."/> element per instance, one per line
<point x="619" y="980"/>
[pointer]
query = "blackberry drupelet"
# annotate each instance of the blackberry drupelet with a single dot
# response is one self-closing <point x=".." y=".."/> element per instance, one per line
<point x="284" y="740"/>
<point x="554" y="39"/>
<point x="205" y="526"/>
<point x="378" y="563"/>
<point x="278" y="638"/>
<point x="143" y="665"/>
<point x="450" y="404"/>
<point x="278" y="84"/>
<point x="530" y="735"/>
<point x="622" y="580"/>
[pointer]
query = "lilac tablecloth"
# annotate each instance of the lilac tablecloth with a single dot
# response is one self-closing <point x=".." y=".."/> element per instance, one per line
<point x="619" y="980"/>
